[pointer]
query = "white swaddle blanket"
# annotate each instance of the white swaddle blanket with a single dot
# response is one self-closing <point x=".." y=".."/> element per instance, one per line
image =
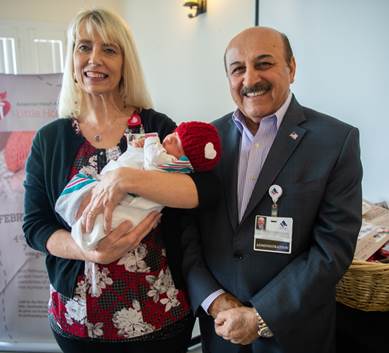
<point x="133" y="208"/>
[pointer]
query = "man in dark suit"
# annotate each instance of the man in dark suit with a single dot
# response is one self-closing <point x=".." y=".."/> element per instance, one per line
<point x="272" y="288"/>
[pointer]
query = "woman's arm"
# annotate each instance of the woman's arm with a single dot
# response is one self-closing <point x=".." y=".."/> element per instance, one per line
<point x="39" y="221"/>
<point x="109" y="249"/>
<point x="61" y="244"/>
<point x="174" y="190"/>
<point x="170" y="189"/>
<point x="45" y="233"/>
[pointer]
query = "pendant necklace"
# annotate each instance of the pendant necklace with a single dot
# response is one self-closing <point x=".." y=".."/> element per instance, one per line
<point x="97" y="138"/>
<point x="133" y="121"/>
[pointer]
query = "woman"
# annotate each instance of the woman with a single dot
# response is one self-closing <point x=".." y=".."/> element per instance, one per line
<point x="121" y="297"/>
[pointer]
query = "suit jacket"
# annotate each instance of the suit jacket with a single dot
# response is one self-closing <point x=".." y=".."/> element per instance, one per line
<point x="316" y="160"/>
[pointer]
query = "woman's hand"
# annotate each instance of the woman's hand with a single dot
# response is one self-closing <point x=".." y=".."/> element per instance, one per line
<point x="104" y="197"/>
<point x="121" y="240"/>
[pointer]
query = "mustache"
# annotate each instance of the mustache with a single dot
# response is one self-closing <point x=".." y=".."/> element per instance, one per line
<point x="259" y="86"/>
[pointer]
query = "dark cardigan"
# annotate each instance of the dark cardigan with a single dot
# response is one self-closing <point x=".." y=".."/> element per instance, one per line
<point x="47" y="170"/>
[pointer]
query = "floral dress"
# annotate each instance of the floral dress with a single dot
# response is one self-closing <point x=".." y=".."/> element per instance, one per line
<point x="132" y="299"/>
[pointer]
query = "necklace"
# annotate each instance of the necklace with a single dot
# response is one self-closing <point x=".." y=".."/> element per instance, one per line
<point x="132" y="122"/>
<point x="97" y="138"/>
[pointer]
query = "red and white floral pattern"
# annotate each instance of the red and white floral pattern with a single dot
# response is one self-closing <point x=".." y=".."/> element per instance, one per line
<point x="130" y="321"/>
<point x="133" y="261"/>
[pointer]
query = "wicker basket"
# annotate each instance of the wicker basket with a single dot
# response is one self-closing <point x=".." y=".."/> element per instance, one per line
<point x="365" y="286"/>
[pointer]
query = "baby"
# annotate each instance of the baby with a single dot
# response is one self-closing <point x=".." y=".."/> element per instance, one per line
<point x="193" y="146"/>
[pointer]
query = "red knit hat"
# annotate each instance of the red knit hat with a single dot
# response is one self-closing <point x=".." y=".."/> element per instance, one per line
<point x="201" y="144"/>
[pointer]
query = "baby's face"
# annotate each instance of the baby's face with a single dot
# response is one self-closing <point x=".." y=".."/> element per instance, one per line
<point x="173" y="145"/>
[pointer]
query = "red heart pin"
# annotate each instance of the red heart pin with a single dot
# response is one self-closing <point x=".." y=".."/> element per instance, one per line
<point x="134" y="120"/>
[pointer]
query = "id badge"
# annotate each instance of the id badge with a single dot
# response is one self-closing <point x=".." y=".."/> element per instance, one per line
<point x="273" y="234"/>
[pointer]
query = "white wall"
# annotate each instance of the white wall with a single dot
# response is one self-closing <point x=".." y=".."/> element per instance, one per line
<point x="26" y="20"/>
<point x="50" y="11"/>
<point x="342" y="52"/>
<point x="183" y="58"/>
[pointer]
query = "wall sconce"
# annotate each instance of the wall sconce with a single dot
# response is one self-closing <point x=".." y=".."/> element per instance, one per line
<point x="199" y="7"/>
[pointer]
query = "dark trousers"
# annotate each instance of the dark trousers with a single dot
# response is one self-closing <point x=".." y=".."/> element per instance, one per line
<point x="176" y="344"/>
<point x="358" y="330"/>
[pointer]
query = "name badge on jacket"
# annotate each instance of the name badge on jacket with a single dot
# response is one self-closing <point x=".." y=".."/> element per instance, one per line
<point x="273" y="234"/>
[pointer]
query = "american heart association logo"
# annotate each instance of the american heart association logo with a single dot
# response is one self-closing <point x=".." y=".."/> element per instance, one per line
<point x="5" y="106"/>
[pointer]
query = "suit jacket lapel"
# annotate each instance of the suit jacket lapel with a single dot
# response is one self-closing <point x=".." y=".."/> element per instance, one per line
<point x="229" y="169"/>
<point x="287" y="139"/>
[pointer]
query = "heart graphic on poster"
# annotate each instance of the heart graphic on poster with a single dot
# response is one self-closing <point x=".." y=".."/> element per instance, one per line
<point x="5" y="106"/>
<point x="17" y="149"/>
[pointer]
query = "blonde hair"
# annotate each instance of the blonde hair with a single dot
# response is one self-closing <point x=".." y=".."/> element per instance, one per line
<point x="112" y="29"/>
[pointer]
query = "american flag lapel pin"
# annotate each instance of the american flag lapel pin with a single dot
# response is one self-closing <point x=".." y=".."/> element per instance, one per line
<point x="293" y="135"/>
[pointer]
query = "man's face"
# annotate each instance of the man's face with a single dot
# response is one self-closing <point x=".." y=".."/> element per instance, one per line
<point x="258" y="74"/>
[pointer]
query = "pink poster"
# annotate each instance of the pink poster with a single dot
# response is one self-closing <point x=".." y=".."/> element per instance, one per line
<point x="27" y="102"/>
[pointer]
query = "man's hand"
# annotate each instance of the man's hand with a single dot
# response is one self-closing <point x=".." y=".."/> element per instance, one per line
<point x="238" y="325"/>
<point x="223" y="302"/>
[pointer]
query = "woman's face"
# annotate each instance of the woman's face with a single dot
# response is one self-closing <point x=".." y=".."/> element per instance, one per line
<point x="97" y="65"/>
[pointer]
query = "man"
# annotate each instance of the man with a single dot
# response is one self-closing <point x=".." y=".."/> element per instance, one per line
<point x="273" y="289"/>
